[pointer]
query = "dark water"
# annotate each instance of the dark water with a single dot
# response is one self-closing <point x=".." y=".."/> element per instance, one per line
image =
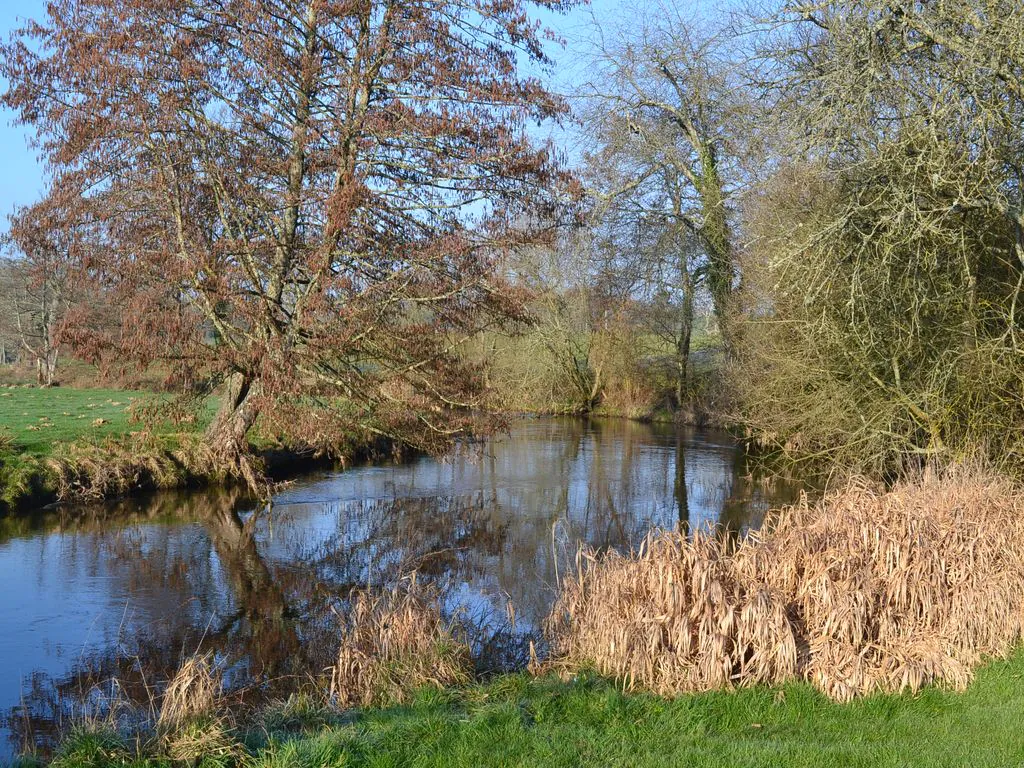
<point x="123" y="592"/>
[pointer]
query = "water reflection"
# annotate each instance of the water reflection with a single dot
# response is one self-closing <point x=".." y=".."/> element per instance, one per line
<point x="124" y="592"/>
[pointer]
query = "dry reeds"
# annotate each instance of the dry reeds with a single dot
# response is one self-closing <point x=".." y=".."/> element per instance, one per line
<point x="188" y="726"/>
<point x="90" y="471"/>
<point x="191" y="694"/>
<point x="83" y="470"/>
<point x="676" y="616"/>
<point x="861" y="592"/>
<point x="395" y="642"/>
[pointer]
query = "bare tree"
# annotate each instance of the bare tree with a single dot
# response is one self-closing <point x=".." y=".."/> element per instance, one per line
<point x="667" y="107"/>
<point x="38" y="286"/>
<point x="889" y="243"/>
<point x="567" y="357"/>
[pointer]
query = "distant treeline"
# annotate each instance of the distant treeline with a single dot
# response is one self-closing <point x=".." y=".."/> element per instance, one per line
<point x="838" y="186"/>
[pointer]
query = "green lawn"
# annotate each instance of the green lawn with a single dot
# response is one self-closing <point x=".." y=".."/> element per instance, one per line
<point x="516" y="721"/>
<point x="34" y="419"/>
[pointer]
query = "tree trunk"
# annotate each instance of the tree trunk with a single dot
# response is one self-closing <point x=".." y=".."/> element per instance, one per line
<point x="683" y="348"/>
<point x="594" y="394"/>
<point x="50" y="373"/>
<point x="228" y="434"/>
<point x="718" y="242"/>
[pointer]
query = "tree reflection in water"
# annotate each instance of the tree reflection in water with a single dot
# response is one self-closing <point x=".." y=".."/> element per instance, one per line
<point x="200" y="572"/>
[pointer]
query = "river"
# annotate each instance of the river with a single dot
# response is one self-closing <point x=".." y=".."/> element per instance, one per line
<point x="125" y="590"/>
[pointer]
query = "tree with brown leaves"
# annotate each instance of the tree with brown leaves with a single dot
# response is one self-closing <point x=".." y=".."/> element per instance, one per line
<point x="302" y="199"/>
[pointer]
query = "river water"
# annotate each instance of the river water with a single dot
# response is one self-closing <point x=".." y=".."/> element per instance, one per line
<point x="124" y="591"/>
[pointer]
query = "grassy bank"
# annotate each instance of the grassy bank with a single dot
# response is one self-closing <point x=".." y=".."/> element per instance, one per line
<point x="88" y="444"/>
<point x="517" y="720"/>
<point x="67" y="440"/>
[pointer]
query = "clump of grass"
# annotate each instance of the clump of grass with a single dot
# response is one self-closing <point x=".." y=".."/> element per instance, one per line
<point x="301" y="711"/>
<point x="863" y="591"/>
<point x="395" y="642"/>
<point x="91" y="747"/>
<point x="900" y="589"/>
<point x="207" y="740"/>
<point x="188" y="726"/>
<point x="21" y="477"/>
<point x="117" y="466"/>
<point x="191" y="694"/>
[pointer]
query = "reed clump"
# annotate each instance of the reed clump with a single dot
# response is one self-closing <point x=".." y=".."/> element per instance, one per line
<point x="394" y="642"/>
<point x="863" y="591"/>
<point x="90" y="471"/>
<point x="188" y="727"/>
<point x="678" y="615"/>
<point x="192" y="693"/>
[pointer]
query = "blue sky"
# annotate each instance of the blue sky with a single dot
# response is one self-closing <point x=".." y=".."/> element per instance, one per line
<point x="22" y="176"/>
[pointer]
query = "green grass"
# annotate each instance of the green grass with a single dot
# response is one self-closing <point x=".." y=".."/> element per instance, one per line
<point x="36" y="424"/>
<point x="34" y="420"/>
<point x="517" y="721"/>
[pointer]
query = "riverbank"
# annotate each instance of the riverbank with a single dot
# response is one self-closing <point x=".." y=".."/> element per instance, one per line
<point x="861" y="592"/>
<point x="692" y="414"/>
<point x="63" y="444"/>
<point x="518" y="720"/>
<point x="51" y="439"/>
<point x="86" y="444"/>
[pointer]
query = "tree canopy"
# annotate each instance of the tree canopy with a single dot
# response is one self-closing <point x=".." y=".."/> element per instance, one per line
<point x="304" y="198"/>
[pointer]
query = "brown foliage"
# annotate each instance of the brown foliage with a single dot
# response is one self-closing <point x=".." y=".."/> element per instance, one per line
<point x="864" y="591"/>
<point x="304" y="200"/>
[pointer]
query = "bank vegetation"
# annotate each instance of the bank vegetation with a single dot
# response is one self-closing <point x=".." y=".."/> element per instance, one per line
<point x="865" y="597"/>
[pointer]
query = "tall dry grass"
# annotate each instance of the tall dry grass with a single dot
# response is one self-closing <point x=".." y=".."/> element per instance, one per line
<point x="394" y="642"/>
<point x="88" y="471"/>
<point x="862" y="591"/>
<point x="189" y="727"/>
<point x="192" y="693"/>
